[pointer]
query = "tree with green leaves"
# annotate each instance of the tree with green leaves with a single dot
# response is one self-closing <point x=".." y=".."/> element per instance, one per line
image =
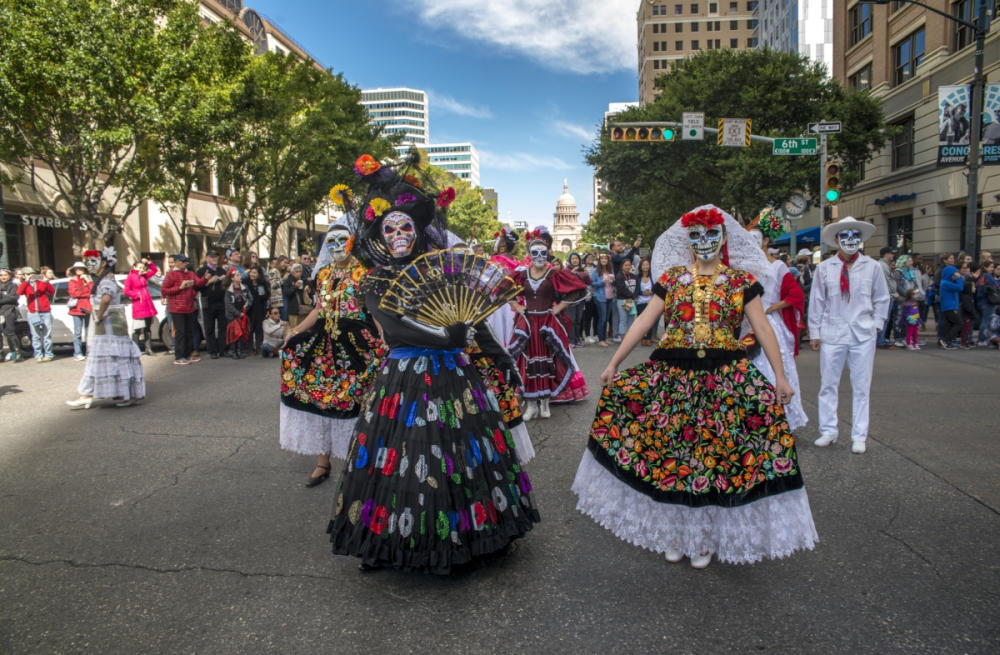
<point x="469" y="215"/>
<point x="651" y="184"/>
<point x="86" y="88"/>
<point x="299" y="130"/>
<point x="202" y="125"/>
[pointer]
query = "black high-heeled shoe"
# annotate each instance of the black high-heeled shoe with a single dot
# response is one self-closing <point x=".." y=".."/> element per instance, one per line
<point x="312" y="482"/>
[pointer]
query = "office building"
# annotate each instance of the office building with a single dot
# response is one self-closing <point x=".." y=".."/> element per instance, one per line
<point x="399" y="111"/>
<point x="459" y="159"/>
<point x="802" y="26"/>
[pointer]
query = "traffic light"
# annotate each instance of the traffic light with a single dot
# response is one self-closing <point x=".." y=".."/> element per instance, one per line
<point x="832" y="175"/>
<point x="643" y="133"/>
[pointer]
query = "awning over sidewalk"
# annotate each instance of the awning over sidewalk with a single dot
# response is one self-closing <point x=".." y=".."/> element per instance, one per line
<point x="807" y="237"/>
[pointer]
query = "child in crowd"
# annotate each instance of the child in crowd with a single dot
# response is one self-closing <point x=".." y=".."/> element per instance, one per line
<point x="238" y="301"/>
<point x="274" y="333"/>
<point x="967" y="311"/>
<point x="911" y="316"/>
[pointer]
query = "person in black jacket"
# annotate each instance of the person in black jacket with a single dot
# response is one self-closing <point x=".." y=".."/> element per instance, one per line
<point x="8" y="311"/>
<point x="626" y="291"/>
<point x="260" y="295"/>
<point x="967" y="309"/>
<point x="213" y="301"/>
<point x="297" y="290"/>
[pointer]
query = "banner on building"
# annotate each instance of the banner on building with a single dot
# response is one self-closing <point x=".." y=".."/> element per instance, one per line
<point x="954" y="128"/>
<point x="991" y="125"/>
<point x="953" y="125"/>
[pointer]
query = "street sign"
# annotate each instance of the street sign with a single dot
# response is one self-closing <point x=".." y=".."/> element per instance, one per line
<point x="230" y="235"/>
<point x="734" y="132"/>
<point x="828" y="127"/>
<point x="807" y="146"/>
<point x="693" y="126"/>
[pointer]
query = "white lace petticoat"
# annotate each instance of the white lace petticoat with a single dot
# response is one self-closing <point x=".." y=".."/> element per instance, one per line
<point x="771" y="527"/>
<point x="311" y="434"/>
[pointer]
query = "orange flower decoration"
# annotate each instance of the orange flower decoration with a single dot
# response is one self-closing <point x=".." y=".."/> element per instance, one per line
<point x="366" y="165"/>
<point x="412" y="181"/>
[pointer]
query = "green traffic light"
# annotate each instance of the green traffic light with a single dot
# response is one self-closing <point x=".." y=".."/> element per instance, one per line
<point x="832" y="195"/>
<point x="668" y="134"/>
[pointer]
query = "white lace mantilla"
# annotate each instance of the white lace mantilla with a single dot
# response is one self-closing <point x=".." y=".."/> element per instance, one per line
<point x="311" y="434"/>
<point x="772" y="527"/>
<point x="522" y="443"/>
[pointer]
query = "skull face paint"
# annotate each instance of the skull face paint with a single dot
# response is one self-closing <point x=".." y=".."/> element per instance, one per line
<point x="336" y="244"/>
<point x="399" y="234"/>
<point x="850" y="241"/>
<point x="539" y="254"/>
<point x="93" y="264"/>
<point x="705" y="241"/>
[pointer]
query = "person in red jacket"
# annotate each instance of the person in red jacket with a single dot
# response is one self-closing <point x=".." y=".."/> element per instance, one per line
<point x="79" y="287"/>
<point x="179" y="287"/>
<point x="38" y="293"/>
<point x="143" y="309"/>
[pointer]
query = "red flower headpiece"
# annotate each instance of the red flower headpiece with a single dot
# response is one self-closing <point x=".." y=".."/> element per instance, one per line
<point x="446" y="197"/>
<point x="366" y="165"/>
<point x="91" y="253"/>
<point x="706" y="217"/>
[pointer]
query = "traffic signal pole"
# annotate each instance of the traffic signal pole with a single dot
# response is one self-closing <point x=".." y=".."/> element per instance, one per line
<point x="822" y="191"/>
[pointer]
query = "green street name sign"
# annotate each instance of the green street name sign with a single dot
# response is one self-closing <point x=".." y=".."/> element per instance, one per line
<point x="795" y="147"/>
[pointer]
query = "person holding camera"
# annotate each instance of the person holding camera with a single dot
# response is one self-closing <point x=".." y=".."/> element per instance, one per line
<point x="8" y="315"/>
<point x="38" y="293"/>
<point x="143" y="309"/>
<point x="213" y="298"/>
<point x="180" y="286"/>
<point x="79" y="288"/>
<point x="297" y="290"/>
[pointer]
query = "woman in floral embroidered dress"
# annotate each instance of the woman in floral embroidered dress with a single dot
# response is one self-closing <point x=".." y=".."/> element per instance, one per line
<point x="690" y="453"/>
<point x="329" y="359"/>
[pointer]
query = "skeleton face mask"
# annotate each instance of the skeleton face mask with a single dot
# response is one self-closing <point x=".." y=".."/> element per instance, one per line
<point x="539" y="254"/>
<point x="850" y="241"/>
<point x="336" y="244"/>
<point x="399" y="233"/>
<point x="93" y="264"/>
<point x="705" y="241"/>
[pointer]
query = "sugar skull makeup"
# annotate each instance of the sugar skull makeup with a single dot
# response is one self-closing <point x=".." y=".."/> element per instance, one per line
<point x="539" y="254"/>
<point x="399" y="234"/>
<point x="93" y="263"/>
<point x="850" y="241"/>
<point x="705" y="241"/>
<point x="337" y="244"/>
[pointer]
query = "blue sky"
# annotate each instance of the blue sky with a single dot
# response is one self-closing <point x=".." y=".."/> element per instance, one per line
<point x="526" y="81"/>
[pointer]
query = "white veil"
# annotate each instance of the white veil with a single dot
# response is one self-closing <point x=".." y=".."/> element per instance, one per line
<point x="672" y="249"/>
<point x="323" y="258"/>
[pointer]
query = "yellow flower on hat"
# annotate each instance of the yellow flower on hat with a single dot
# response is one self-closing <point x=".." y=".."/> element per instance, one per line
<point x="379" y="205"/>
<point x="341" y="194"/>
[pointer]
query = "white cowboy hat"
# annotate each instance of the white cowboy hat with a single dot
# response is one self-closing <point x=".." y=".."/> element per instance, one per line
<point x="830" y="232"/>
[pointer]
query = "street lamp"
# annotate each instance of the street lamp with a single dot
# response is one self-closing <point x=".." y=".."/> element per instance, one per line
<point x="978" y="82"/>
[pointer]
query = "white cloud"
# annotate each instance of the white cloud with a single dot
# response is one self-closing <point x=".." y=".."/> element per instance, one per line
<point x="574" y="131"/>
<point x="520" y="161"/>
<point x="447" y="104"/>
<point x="581" y="36"/>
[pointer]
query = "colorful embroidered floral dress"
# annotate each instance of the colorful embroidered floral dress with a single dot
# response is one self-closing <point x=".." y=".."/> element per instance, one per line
<point x="691" y="450"/>
<point x="432" y="479"/>
<point x="327" y="369"/>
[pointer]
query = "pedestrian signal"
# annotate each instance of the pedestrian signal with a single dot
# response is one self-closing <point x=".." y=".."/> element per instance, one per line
<point x="832" y="176"/>
<point x="643" y="134"/>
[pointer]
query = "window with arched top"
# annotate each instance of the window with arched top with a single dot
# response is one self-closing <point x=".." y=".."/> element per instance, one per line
<point x="254" y="23"/>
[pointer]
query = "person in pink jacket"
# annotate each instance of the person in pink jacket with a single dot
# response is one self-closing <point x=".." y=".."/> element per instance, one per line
<point x="143" y="309"/>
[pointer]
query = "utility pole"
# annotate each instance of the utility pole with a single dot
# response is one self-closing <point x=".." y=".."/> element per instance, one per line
<point x="972" y="205"/>
<point x="822" y="192"/>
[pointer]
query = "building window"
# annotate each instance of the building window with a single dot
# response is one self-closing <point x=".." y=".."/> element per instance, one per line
<point x="694" y="27"/>
<point x="663" y="46"/>
<point x="717" y="42"/>
<point x="901" y="233"/>
<point x="752" y="42"/>
<point x="734" y="43"/>
<point x="708" y="26"/>
<point x="656" y="10"/>
<point x="962" y="35"/>
<point x="860" y="21"/>
<point x="678" y="27"/>
<point x="678" y="10"/>
<point x="694" y="8"/>
<point x="718" y="27"/>
<point x="678" y="45"/>
<point x="907" y="55"/>
<point x="902" y="143"/>
<point x="713" y="7"/>
<point x="656" y="64"/>
<point x="695" y="46"/>
<point x="656" y="28"/>
<point x="752" y="5"/>
<point x="752" y="24"/>
<point x="656" y="46"/>
<point x="862" y="79"/>
<point x="734" y="25"/>
<point x="734" y="6"/>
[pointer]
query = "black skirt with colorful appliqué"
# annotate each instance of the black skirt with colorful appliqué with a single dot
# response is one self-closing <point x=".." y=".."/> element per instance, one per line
<point x="432" y="480"/>
<point x="694" y="454"/>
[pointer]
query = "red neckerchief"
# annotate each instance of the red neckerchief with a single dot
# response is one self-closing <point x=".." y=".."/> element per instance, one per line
<point x="845" y="281"/>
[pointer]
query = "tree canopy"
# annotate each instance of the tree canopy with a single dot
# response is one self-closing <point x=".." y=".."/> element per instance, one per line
<point x="651" y="184"/>
<point x="469" y="215"/>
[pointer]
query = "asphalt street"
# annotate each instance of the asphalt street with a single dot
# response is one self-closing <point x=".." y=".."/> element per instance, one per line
<point x="178" y="526"/>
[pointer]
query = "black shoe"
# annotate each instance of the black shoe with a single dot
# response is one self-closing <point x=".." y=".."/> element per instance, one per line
<point x="214" y="356"/>
<point x="369" y="568"/>
<point x="312" y="482"/>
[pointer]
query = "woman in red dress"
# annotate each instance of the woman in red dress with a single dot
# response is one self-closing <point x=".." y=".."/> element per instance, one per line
<point x="541" y="340"/>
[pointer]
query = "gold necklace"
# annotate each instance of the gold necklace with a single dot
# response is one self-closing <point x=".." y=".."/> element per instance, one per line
<point x="704" y="286"/>
<point x="333" y="293"/>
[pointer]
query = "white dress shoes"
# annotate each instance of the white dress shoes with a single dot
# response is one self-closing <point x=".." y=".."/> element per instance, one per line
<point x="825" y="440"/>
<point x="858" y="447"/>
<point x="701" y="561"/>
<point x="85" y="403"/>
<point x="674" y="556"/>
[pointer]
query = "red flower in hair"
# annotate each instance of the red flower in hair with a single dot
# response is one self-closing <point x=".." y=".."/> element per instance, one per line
<point x="91" y="253"/>
<point x="706" y="217"/>
<point x="412" y="180"/>
<point x="366" y="165"/>
<point x="446" y="197"/>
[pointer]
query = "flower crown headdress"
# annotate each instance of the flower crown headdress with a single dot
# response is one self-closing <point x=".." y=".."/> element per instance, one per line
<point x="768" y="223"/>
<point x="706" y="217"/>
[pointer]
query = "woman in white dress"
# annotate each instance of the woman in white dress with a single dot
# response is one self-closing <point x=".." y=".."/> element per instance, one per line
<point x="114" y="363"/>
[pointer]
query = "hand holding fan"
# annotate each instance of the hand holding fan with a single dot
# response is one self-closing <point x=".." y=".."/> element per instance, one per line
<point x="445" y="287"/>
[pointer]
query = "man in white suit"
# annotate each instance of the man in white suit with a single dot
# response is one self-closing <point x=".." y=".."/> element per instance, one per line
<point x="848" y="304"/>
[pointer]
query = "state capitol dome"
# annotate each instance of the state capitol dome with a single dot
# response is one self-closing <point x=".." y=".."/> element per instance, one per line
<point x="566" y="229"/>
